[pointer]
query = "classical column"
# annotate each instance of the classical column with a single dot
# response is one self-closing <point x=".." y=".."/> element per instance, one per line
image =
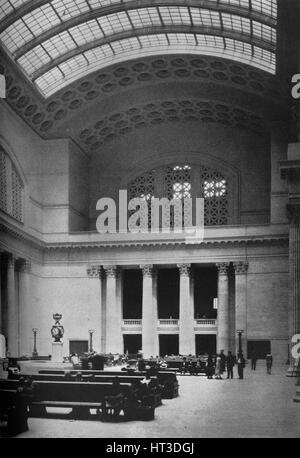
<point x="186" y="312"/>
<point x="241" y="303"/>
<point x="113" y="315"/>
<point x="149" y="314"/>
<point x="24" y="309"/>
<point x="223" y="307"/>
<point x="294" y="277"/>
<point x="12" y="309"/>
<point x="95" y="315"/>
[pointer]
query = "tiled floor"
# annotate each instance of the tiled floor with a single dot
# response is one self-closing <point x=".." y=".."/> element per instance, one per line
<point x="259" y="406"/>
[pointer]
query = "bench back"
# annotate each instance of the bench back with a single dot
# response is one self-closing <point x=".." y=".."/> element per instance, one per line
<point x="162" y="376"/>
<point x="76" y="391"/>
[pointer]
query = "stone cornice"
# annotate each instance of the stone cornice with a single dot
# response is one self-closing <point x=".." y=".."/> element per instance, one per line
<point x="90" y="241"/>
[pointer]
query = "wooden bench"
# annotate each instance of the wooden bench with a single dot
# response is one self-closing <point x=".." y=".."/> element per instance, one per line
<point x="15" y="397"/>
<point x="153" y="397"/>
<point x="107" y="399"/>
<point x="168" y="380"/>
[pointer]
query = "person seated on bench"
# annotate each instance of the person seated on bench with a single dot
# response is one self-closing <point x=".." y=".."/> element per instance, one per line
<point x="98" y="362"/>
<point x="68" y="376"/>
<point x="85" y="362"/>
<point x="115" y="402"/>
<point x="78" y="377"/>
<point x="184" y="366"/>
<point x="141" y="365"/>
<point x="147" y="379"/>
<point x="75" y="361"/>
<point x="153" y="370"/>
<point x="163" y="364"/>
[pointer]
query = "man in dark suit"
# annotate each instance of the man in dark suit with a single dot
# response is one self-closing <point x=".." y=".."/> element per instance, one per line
<point x="230" y="362"/>
<point x="241" y="365"/>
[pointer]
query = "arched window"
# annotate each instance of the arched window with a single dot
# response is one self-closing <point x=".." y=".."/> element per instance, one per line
<point x="11" y="188"/>
<point x="178" y="181"/>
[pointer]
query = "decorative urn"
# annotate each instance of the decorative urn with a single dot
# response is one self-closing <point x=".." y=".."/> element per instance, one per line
<point x="57" y="330"/>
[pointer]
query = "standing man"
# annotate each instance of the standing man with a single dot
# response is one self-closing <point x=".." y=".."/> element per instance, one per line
<point x="223" y="361"/>
<point x="230" y="364"/>
<point x="253" y="361"/>
<point x="269" y="362"/>
<point x="241" y="365"/>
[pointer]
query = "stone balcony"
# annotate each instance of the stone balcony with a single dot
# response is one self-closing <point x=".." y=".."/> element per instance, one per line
<point x="203" y="325"/>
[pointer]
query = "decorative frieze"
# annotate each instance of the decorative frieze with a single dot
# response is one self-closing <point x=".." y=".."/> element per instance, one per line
<point x="184" y="269"/>
<point x="240" y="267"/>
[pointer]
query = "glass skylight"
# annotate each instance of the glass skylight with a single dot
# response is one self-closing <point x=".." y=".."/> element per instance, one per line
<point x="148" y="45"/>
<point x="52" y="39"/>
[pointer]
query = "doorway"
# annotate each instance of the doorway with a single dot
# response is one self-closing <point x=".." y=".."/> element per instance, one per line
<point x="206" y="343"/>
<point x="132" y="343"/>
<point x="168" y="293"/>
<point x="168" y="344"/>
<point x="78" y="346"/>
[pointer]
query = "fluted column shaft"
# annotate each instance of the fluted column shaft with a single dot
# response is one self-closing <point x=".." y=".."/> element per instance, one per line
<point x="223" y="308"/>
<point x="12" y="309"/>
<point x="241" y="269"/>
<point x="149" y="314"/>
<point x="95" y="315"/>
<point x="113" y="315"/>
<point x="24" y="309"/>
<point x="186" y="312"/>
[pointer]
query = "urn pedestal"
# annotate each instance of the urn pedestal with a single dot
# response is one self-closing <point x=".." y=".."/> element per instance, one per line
<point x="57" y="352"/>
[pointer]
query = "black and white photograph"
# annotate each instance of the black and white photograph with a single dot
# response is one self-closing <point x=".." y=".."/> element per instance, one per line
<point x="149" y="222"/>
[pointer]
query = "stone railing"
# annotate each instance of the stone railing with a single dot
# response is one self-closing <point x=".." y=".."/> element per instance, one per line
<point x="206" y="322"/>
<point x="132" y="322"/>
<point x="168" y="322"/>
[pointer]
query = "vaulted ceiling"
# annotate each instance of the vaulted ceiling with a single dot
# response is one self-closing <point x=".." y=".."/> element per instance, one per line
<point x="63" y="57"/>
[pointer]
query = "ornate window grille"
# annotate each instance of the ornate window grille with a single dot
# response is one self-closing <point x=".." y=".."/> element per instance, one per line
<point x="215" y="193"/>
<point x="143" y="187"/>
<point x="11" y="188"/>
<point x="178" y="185"/>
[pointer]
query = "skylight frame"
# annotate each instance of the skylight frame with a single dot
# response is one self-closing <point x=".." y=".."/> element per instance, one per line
<point x="127" y="29"/>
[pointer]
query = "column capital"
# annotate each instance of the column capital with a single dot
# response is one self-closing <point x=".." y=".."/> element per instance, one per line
<point x="240" y="267"/>
<point x="111" y="271"/>
<point x="147" y="270"/>
<point x="94" y="271"/>
<point x="222" y="268"/>
<point x="11" y="261"/>
<point x="184" y="269"/>
<point x="25" y="266"/>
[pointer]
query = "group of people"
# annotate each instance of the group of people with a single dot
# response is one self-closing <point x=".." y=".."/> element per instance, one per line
<point x="218" y="364"/>
<point x="92" y="360"/>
